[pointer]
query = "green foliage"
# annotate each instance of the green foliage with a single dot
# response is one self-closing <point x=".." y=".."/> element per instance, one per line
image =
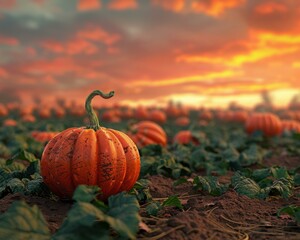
<point x="22" y="221"/>
<point x="209" y="184"/>
<point x="154" y="207"/>
<point x="293" y="211"/>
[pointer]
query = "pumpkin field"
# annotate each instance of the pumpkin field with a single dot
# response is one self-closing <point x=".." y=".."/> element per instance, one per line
<point x="151" y="173"/>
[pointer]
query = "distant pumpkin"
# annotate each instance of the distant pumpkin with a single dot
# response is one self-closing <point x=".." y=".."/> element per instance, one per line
<point x="182" y="121"/>
<point x="158" y="116"/>
<point x="186" y="137"/>
<point x="268" y="123"/>
<point x="147" y="132"/>
<point x="290" y="125"/>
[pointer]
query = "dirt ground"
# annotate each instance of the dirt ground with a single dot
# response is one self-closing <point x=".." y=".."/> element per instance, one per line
<point x="229" y="216"/>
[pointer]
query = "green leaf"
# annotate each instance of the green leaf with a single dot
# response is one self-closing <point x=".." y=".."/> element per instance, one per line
<point x="180" y="181"/>
<point x="281" y="187"/>
<point x="293" y="211"/>
<point x="209" y="184"/>
<point x="231" y="154"/>
<point x="124" y="209"/>
<point x="297" y="179"/>
<point x="86" y="221"/>
<point x="141" y="190"/>
<point x="245" y="186"/>
<point x="84" y="193"/>
<point x="22" y="155"/>
<point x="279" y="172"/>
<point x="172" y="201"/>
<point x="260" y="174"/>
<point x="251" y="155"/>
<point x="153" y="208"/>
<point x="151" y="150"/>
<point x="16" y="185"/>
<point x="21" y="221"/>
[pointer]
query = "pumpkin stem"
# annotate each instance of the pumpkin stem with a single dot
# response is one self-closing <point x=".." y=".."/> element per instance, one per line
<point x="94" y="121"/>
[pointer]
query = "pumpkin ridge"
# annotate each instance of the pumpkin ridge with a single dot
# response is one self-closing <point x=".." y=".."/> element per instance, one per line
<point x="62" y="162"/>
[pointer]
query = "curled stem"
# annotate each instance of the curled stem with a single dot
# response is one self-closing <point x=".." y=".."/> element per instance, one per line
<point x="94" y="121"/>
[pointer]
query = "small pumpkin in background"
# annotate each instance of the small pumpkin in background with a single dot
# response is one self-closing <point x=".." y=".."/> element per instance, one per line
<point x="141" y="113"/>
<point x="59" y="112"/>
<point x="91" y="155"/>
<point x="268" y="123"/>
<point x="43" y="136"/>
<point x="240" y="116"/>
<point x="182" y="121"/>
<point x="290" y="125"/>
<point x="10" y="122"/>
<point x="158" y="116"/>
<point x="147" y="132"/>
<point x="186" y="137"/>
<point x="3" y="110"/>
<point x="205" y="115"/>
<point x="44" y="112"/>
<point x="28" y="118"/>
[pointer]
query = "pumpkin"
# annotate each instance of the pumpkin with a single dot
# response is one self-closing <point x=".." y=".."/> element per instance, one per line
<point x="147" y="132"/>
<point x="3" y="110"/>
<point x="28" y="118"/>
<point x="10" y="122"/>
<point x="44" y="112"/>
<point x="158" y="116"/>
<point x="59" y="112"/>
<point x="182" y="121"/>
<point x="42" y="136"/>
<point x="91" y="155"/>
<point x="185" y="137"/>
<point x="111" y="115"/>
<point x="268" y="123"/>
<point x="205" y="115"/>
<point x="172" y="111"/>
<point x="141" y="113"/>
<point x="290" y="125"/>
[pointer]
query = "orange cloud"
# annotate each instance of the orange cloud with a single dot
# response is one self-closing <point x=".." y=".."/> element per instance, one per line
<point x="214" y="7"/>
<point x="7" y="4"/>
<point x="122" y="4"/>
<point x="73" y="47"/>
<point x="173" y="5"/>
<point x="186" y="80"/>
<point x="8" y="41"/>
<point x="260" y="46"/>
<point x="98" y="34"/>
<point x="3" y="72"/>
<point x="87" y="5"/>
<point x="270" y="7"/>
<point x="58" y="66"/>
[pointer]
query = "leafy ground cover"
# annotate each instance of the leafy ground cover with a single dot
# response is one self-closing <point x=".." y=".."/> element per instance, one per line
<point x="230" y="186"/>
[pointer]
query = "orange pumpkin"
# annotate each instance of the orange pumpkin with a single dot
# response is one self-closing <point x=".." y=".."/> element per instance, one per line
<point x="91" y="155"/>
<point x="185" y="137"/>
<point x="268" y="123"/>
<point x="182" y="121"/>
<point x="43" y="136"/>
<point x="44" y="112"/>
<point x="28" y="118"/>
<point x="158" y="116"/>
<point x="205" y="115"/>
<point x="141" y="113"/>
<point x="10" y="123"/>
<point x="3" y="110"/>
<point x="290" y="125"/>
<point x="147" y="132"/>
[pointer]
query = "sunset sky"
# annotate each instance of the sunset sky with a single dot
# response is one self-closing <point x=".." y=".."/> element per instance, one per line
<point x="199" y="52"/>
